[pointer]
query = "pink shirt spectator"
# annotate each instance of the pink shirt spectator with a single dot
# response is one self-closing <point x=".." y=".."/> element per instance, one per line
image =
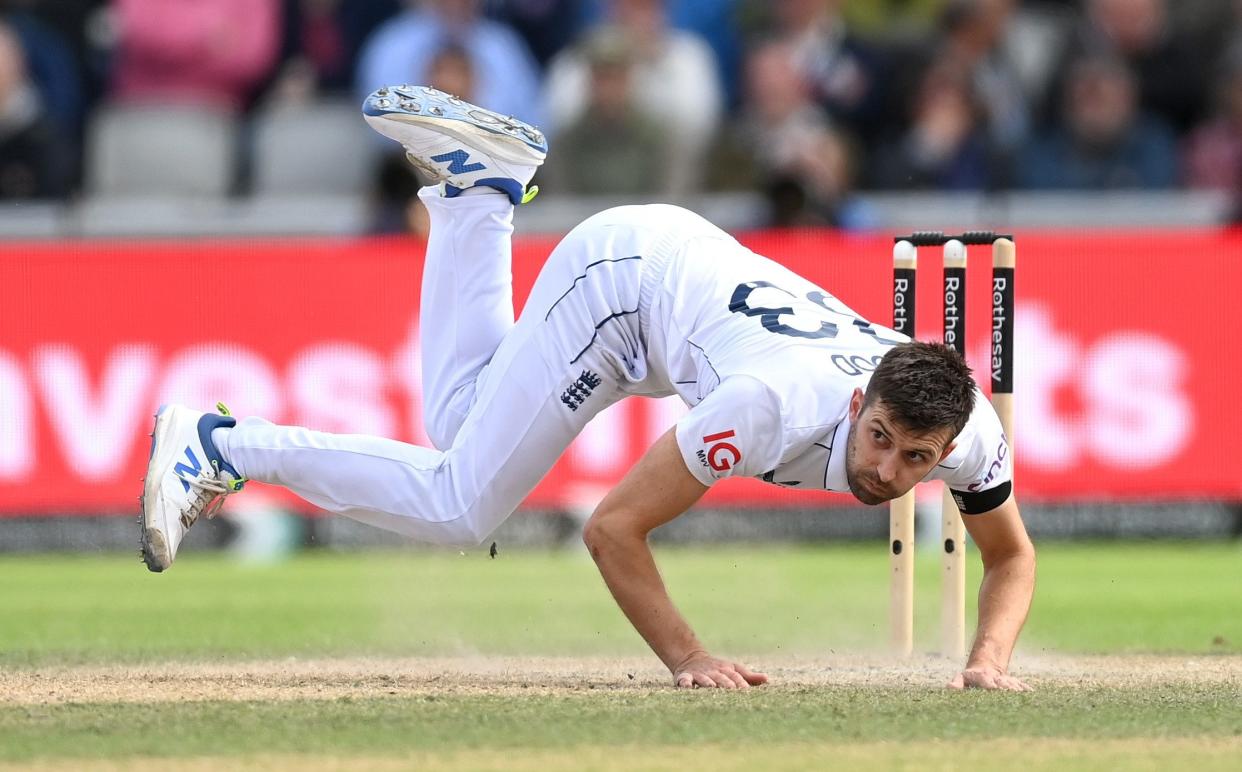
<point x="213" y="52"/>
<point x="1214" y="157"/>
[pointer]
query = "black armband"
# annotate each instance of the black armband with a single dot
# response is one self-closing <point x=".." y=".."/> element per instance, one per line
<point x="977" y="503"/>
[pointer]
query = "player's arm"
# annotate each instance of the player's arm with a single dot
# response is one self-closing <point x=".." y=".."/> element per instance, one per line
<point x="656" y="490"/>
<point x="1004" y="596"/>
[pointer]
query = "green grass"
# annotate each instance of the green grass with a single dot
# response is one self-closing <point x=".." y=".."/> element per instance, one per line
<point x="1169" y="598"/>
<point x="1054" y="755"/>
<point x="665" y="718"/>
<point x="1094" y="598"/>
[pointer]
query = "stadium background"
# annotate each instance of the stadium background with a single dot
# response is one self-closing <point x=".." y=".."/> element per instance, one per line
<point x="191" y="209"/>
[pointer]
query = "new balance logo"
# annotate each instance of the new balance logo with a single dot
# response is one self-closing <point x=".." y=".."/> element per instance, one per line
<point x="456" y="161"/>
<point x="181" y="470"/>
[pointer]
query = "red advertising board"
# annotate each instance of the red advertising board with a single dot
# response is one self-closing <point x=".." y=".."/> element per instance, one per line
<point x="1126" y="356"/>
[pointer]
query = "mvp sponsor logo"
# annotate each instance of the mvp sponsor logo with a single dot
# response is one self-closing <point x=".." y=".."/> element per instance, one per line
<point x="994" y="468"/>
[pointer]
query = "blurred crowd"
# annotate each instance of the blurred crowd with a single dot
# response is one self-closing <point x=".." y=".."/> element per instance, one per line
<point x="804" y="101"/>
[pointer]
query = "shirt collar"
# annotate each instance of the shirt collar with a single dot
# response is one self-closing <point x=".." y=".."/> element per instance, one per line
<point x="834" y="476"/>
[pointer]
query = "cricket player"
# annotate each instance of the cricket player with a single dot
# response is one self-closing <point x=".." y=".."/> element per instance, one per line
<point x="784" y="383"/>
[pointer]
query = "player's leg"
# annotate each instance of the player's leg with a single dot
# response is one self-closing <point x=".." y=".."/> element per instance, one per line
<point x="549" y="376"/>
<point x="576" y="349"/>
<point x="467" y="302"/>
<point x="453" y="497"/>
<point x="467" y="295"/>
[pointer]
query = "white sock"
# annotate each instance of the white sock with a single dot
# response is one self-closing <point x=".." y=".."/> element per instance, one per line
<point x="220" y="438"/>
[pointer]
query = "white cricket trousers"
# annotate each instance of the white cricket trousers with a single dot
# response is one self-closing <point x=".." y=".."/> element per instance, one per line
<point x="502" y="401"/>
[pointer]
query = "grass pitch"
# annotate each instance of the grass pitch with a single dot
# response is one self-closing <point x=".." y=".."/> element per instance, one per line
<point x="1136" y="652"/>
<point x="620" y="727"/>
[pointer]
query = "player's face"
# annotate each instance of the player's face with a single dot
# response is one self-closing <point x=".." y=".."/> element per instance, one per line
<point x="882" y="459"/>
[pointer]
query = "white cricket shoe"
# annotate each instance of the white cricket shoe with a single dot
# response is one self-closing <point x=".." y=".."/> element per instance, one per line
<point x="186" y="478"/>
<point x="458" y="144"/>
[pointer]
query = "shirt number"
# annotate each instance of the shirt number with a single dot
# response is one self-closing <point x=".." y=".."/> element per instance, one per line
<point x="808" y="317"/>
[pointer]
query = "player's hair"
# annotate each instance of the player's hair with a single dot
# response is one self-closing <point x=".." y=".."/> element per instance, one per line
<point x="924" y="387"/>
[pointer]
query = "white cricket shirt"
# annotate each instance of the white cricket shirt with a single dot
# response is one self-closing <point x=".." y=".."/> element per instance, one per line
<point x="768" y="362"/>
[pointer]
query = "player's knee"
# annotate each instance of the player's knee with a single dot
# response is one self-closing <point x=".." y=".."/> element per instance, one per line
<point x="439" y="433"/>
<point x="443" y="427"/>
<point x="472" y="522"/>
<point x="459" y="532"/>
<point x="444" y="418"/>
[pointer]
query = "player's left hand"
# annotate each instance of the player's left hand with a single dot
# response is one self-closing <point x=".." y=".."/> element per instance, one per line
<point x="988" y="677"/>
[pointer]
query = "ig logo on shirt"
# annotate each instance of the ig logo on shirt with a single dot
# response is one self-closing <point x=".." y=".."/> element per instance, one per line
<point x="720" y="456"/>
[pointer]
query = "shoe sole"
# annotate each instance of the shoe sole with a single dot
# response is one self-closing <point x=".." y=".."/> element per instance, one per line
<point x="154" y="545"/>
<point x="507" y="138"/>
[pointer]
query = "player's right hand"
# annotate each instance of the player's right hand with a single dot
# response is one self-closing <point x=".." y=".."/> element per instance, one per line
<point x="988" y="677"/>
<point x="706" y="671"/>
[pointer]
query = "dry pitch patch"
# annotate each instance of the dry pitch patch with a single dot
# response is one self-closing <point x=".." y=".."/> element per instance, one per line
<point x="361" y="678"/>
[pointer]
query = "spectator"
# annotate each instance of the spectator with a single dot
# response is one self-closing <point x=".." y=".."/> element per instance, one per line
<point x="1171" y="75"/>
<point x="452" y="71"/>
<point x="547" y="26"/>
<point x="33" y="160"/>
<point x="974" y="36"/>
<point x="715" y="22"/>
<point x="208" y="52"/>
<point x="321" y="43"/>
<point x="947" y="146"/>
<point x="1105" y="142"/>
<point x="59" y="58"/>
<point x="893" y="19"/>
<point x="612" y="147"/>
<point x="783" y="144"/>
<point x="844" y="73"/>
<point x="1213" y="158"/>
<point x="674" y="81"/>
<point x="400" y="51"/>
